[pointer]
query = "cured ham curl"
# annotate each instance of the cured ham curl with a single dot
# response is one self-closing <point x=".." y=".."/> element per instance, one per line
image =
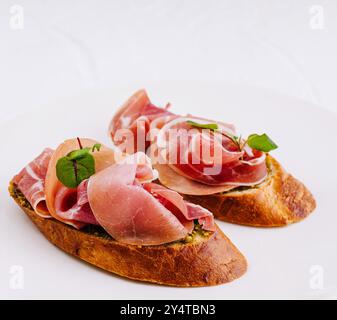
<point x="48" y="196"/>
<point x="131" y="124"/>
<point x="136" y="213"/>
<point x="184" y="149"/>
<point x="31" y="182"/>
<point x="210" y="157"/>
<point x="73" y="205"/>
<point x="65" y="204"/>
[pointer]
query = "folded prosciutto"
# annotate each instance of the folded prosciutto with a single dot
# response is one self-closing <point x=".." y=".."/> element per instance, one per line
<point x="70" y="205"/>
<point x="141" y="213"/>
<point x="192" y="155"/>
<point x="31" y="181"/>
<point x="119" y="196"/>
<point x="131" y="124"/>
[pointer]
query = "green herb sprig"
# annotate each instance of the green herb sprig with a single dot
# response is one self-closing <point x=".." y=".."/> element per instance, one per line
<point x="77" y="165"/>
<point x="261" y="142"/>
<point x="211" y="126"/>
<point x="258" y="142"/>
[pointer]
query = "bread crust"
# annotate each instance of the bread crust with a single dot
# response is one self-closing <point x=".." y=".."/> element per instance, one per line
<point x="278" y="201"/>
<point x="206" y="261"/>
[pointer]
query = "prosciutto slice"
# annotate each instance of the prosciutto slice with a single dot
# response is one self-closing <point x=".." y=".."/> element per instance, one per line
<point x="191" y="160"/>
<point x="130" y="126"/>
<point x="205" y="217"/>
<point x="31" y="182"/>
<point x="209" y="157"/>
<point x="136" y="213"/>
<point x="187" y="212"/>
<point x="71" y="205"/>
<point x="48" y="197"/>
<point x="179" y="183"/>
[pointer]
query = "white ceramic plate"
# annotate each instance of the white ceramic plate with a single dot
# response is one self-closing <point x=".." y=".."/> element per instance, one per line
<point x="299" y="261"/>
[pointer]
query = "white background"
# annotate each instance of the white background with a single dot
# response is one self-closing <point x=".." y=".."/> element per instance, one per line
<point x="67" y="47"/>
<point x="68" y="50"/>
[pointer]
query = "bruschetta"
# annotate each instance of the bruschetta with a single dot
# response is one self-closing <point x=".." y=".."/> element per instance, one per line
<point x="210" y="164"/>
<point x="105" y="210"/>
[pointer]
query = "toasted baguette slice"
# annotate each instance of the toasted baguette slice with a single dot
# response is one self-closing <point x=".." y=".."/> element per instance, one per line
<point x="203" y="259"/>
<point x="279" y="200"/>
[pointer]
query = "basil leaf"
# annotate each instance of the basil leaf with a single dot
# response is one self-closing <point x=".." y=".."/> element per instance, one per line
<point x="78" y="154"/>
<point x="77" y="165"/>
<point x="211" y="126"/>
<point x="85" y="167"/>
<point x="72" y="169"/>
<point x="261" y="142"/>
<point x="65" y="172"/>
